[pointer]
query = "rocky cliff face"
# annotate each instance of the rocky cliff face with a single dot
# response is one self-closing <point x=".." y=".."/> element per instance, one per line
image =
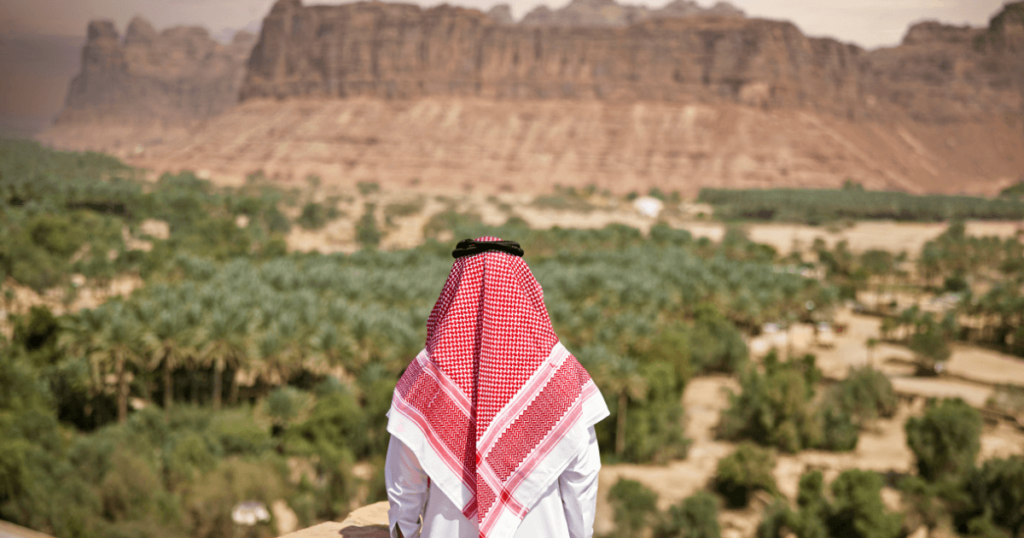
<point x="448" y="97"/>
<point x="402" y="51"/>
<point x="175" y="77"/>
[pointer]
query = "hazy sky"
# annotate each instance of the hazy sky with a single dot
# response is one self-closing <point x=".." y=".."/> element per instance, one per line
<point x="869" y="23"/>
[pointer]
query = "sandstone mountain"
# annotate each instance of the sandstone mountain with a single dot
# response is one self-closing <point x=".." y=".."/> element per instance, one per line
<point x="402" y="51"/>
<point x="452" y="97"/>
<point x="152" y="81"/>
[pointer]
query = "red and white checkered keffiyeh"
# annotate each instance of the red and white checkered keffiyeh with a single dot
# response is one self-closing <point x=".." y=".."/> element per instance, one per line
<point x="494" y="407"/>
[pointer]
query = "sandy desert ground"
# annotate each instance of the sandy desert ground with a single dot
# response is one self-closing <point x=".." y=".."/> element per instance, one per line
<point x="971" y="373"/>
<point x="406" y="232"/>
<point x="882" y="448"/>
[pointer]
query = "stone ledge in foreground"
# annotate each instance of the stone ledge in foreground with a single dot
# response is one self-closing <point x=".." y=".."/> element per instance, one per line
<point x="366" y="522"/>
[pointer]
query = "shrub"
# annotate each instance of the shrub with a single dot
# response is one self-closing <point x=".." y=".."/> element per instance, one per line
<point x="996" y="493"/>
<point x="838" y="430"/>
<point x="672" y="346"/>
<point x="367" y="188"/>
<point x="367" y="232"/>
<point x="810" y="520"/>
<point x="276" y="221"/>
<point x="188" y="457"/>
<point x="717" y="345"/>
<point x="774" y="408"/>
<point x="284" y="405"/>
<point x="238" y="433"/>
<point x="857" y="509"/>
<point x="931" y="349"/>
<point x="921" y="502"/>
<point x="866" y="394"/>
<point x="695" y="517"/>
<point x="275" y="247"/>
<point x="747" y="469"/>
<point x="946" y="440"/>
<point x="863" y="396"/>
<point x="449" y="221"/>
<point x="129" y="488"/>
<point x="654" y="424"/>
<point x="403" y="210"/>
<point x="635" y="506"/>
<point x="336" y="421"/>
<point x="776" y="520"/>
<point x="315" y="216"/>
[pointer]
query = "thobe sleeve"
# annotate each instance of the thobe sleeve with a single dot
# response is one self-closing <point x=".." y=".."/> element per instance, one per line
<point x="578" y="487"/>
<point x="407" y="487"/>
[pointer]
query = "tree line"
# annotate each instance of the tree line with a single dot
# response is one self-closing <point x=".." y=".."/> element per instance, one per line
<point x="818" y="206"/>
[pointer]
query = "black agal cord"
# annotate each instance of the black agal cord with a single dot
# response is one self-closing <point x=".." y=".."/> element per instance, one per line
<point x="469" y="247"/>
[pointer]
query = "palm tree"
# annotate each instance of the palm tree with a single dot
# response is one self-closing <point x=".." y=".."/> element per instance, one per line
<point x="620" y="375"/>
<point x="123" y="342"/>
<point x="79" y="338"/>
<point x="173" y="338"/>
<point x="223" y="345"/>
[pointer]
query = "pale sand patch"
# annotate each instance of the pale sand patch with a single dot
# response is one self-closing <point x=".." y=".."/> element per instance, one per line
<point x="985" y="365"/>
<point x="972" y="393"/>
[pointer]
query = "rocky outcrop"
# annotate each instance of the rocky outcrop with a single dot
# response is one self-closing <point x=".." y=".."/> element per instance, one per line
<point x="501" y="14"/>
<point x="610" y="13"/>
<point x="948" y="74"/>
<point x="403" y="51"/>
<point x="175" y="77"/>
<point x="941" y="74"/>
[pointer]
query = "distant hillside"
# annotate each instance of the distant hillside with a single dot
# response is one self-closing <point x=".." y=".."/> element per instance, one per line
<point x="705" y="98"/>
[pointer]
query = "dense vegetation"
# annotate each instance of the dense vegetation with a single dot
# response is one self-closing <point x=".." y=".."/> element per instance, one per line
<point x="950" y="489"/>
<point x="817" y="206"/>
<point x="66" y="213"/>
<point x="241" y="372"/>
<point x="855" y="509"/>
<point x="779" y="407"/>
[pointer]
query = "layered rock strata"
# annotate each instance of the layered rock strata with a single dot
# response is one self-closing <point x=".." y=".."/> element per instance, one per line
<point x="383" y="50"/>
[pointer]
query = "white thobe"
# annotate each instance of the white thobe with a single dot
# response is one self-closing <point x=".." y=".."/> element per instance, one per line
<point x="565" y="510"/>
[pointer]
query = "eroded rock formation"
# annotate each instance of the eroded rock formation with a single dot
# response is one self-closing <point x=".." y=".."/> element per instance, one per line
<point x="939" y="74"/>
<point x="175" y="77"/>
<point x="454" y="98"/>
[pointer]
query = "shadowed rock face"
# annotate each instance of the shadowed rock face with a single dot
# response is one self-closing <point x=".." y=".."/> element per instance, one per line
<point x="174" y="77"/>
<point x="940" y="74"/>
